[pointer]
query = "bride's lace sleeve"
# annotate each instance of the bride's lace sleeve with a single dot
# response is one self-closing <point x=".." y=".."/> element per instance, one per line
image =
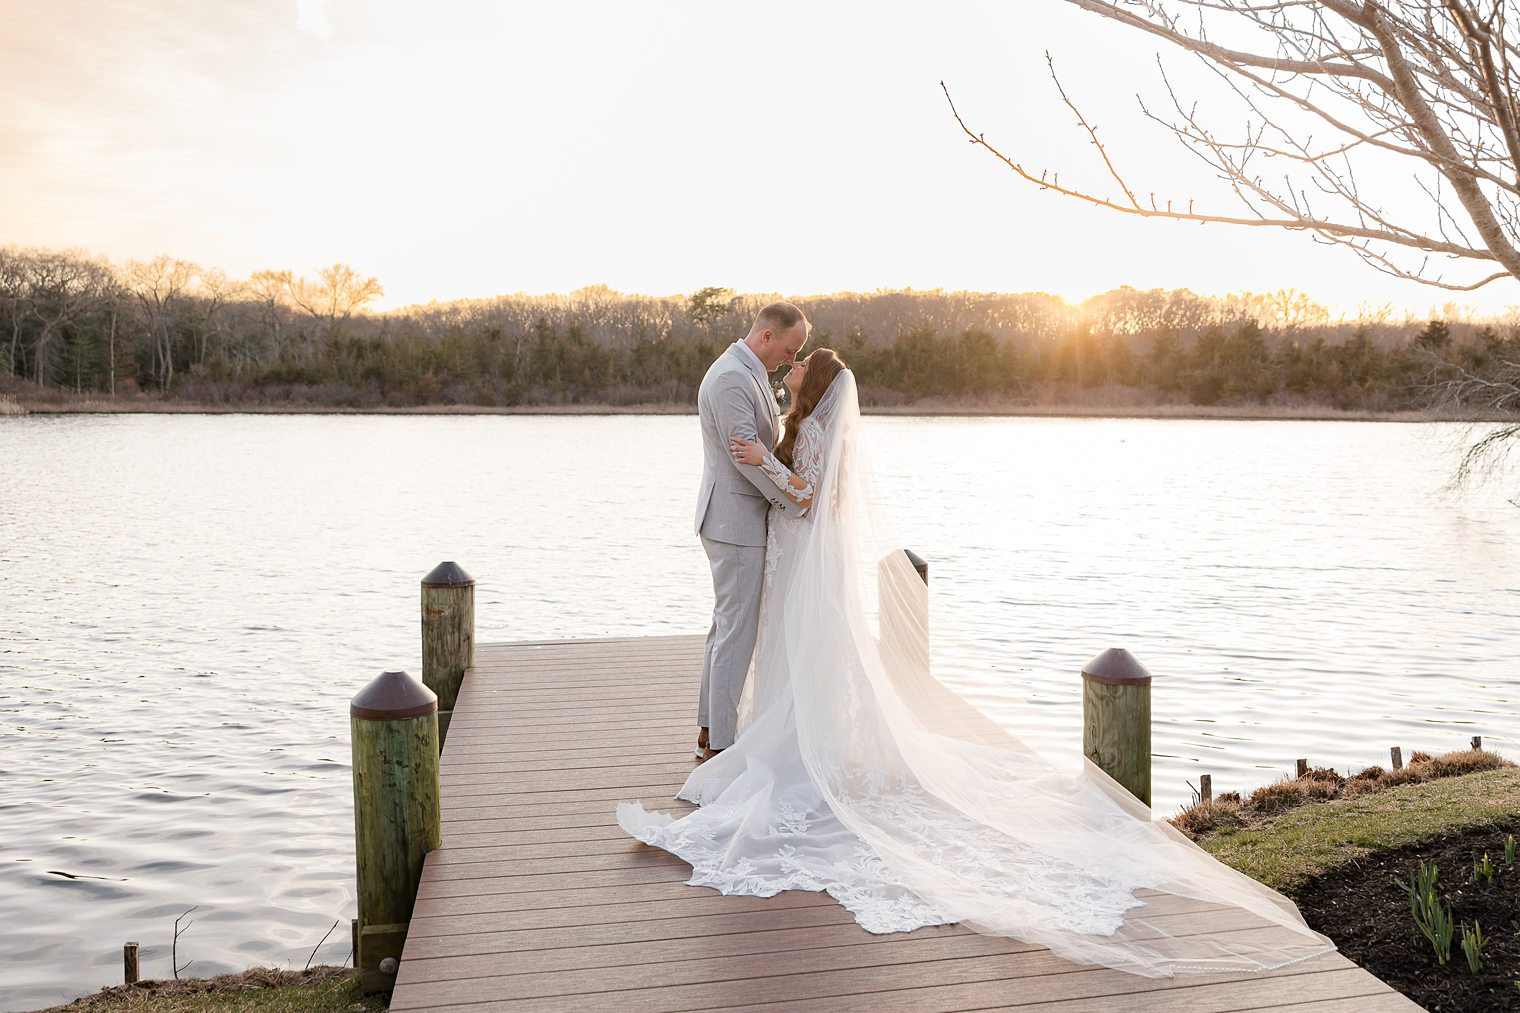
<point x="807" y="455"/>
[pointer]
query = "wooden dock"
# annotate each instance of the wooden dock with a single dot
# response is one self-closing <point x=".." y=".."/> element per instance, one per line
<point x="538" y="900"/>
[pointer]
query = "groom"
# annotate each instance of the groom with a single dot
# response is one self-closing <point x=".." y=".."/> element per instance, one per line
<point x="735" y="399"/>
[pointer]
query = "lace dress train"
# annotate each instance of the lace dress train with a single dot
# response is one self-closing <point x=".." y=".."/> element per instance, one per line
<point x="856" y="773"/>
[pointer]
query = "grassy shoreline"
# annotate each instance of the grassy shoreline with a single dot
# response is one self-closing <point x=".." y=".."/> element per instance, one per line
<point x="15" y="406"/>
<point x="323" y="989"/>
<point x="1293" y="848"/>
<point x="1344" y="863"/>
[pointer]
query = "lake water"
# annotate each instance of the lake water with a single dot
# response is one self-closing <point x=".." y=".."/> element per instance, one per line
<point x="188" y="602"/>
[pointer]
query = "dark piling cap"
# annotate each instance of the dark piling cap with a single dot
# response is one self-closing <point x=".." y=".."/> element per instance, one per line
<point x="918" y="564"/>
<point x="449" y="574"/>
<point x="393" y="695"/>
<point x="1117" y="667"/>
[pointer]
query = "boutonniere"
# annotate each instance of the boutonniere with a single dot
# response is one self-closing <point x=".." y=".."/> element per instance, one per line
<point x="782" y="395"/>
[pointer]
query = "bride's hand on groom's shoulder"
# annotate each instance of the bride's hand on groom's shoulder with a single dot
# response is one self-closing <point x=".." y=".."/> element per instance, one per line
<point x="746" y="451"/>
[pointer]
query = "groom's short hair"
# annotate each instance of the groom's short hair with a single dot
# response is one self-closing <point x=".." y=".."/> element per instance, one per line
<point x="779" y="317"/>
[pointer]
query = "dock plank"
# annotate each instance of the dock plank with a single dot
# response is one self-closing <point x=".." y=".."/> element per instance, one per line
<point x="537" y="900"/>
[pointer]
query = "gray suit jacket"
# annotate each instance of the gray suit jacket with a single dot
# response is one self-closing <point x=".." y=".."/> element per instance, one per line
<point x="734" y="400"/>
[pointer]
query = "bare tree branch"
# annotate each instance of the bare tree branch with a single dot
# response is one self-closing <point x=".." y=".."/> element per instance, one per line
<point x="174" y="949"/>
<point x="1430" y="86"/>
<point x="1301" y="222"/>
<point x="1430" y="83"/>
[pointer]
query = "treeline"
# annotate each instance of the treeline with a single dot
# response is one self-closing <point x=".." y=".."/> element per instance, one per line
<point x="168" y="328"/>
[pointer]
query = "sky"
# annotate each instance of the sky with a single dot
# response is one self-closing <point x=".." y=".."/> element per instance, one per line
<point x="463" y="149"/>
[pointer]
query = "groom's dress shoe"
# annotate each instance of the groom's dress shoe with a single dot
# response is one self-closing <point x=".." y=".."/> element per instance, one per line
<point x="704" y="754"/>
<point x="701" y="743"/>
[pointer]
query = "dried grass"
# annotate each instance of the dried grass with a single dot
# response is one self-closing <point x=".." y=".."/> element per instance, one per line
<point x="1279" y="796"/>
<point x="1206" y="817"/>
<point x="1465" y="761"/>
<point x="324" y="989"/>
<point x="1286" y="850"/>
<point x="1324" y="784"/>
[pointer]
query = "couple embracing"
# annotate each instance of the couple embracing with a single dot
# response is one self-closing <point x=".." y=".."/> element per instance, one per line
<point x="833" y="759"/>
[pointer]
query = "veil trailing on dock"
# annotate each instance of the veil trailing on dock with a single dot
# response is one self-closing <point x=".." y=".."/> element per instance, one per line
<point x="849" y="739"/>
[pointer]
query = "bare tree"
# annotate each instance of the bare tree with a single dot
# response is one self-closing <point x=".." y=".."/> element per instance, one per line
<point x="271" y="292"/>
<point x="214" y="292"/>
<point x="1454" y="384"/>
<point x="113" y="307"/>
<point x="15" y="299"/>
<point x="61" y="285"/>
<point x="1333" y="93"/>
<point x="160" y="286"/>
<point x="336" y="295"/>
<point x="174" y="949"/>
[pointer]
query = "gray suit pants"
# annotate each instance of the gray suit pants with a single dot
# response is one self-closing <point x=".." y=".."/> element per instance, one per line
<point x="738" y="571"/>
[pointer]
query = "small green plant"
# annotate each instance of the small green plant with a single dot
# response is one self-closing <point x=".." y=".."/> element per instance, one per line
<point x="1483" y="870"/>
<point x="1509" y="849"/>
<point x="1473" y="942"/>
<point x="1431" y="917"/>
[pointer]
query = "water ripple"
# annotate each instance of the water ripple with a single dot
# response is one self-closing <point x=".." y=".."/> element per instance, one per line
<point x="188" y="603"/>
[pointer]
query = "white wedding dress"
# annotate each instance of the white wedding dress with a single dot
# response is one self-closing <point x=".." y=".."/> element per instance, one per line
<point x="858" y="773"/>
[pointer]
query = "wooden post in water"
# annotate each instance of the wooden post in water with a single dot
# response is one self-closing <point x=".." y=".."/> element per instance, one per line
<point x="904" y="610"/>
<point x="394" y="725"/>
<point x="1116" y="719"/>
<point x="448" y="636"/>
<point x="1206" y="788"/>
<point x="1397" y="756"/>
<point x="129" y="966"/>
<point x="1477" y="742"/>
<point x="1301" y="766"/>
<point x="918" y="564"/>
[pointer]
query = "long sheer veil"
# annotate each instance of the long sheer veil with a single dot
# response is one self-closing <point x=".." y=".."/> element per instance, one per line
<point x="964" y="814"/>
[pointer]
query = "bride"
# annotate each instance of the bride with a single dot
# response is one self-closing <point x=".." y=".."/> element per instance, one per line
<point x="857" y="772"/>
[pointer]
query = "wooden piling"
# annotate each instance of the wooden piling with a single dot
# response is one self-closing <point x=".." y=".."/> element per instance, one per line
<point x="448" y="636"/>
<point x="1397" y="755"/>
<point x="394" y="727"/>
<point x="904" y="609"/>
<point x="1477" y="742"/>
<point x="513" y="924"/>
<point x="129" y="966"/>
<point x="1116" y="719"/>
<point x="918" y="564"/>
<point x="1206" y="788"/>
<point x="1302" y="767"/>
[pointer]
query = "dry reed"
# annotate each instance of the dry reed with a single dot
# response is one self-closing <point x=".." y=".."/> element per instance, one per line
<point x="1322" y="784"/>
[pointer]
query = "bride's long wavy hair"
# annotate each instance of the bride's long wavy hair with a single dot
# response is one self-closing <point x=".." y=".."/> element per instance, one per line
<point x="822" y="366"/>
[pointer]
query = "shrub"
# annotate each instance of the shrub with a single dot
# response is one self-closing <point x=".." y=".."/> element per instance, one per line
<point x="1280" y="796"/>
<point x="1329" y="774"/>
<point x="1322" y="784"/>
<point x="1317" y="789"/>
<point x="1206" y="817"/>
<point x="1357" y="787"/>
<point x="1411" y="774"/>
<point x="1464" y="761"/>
